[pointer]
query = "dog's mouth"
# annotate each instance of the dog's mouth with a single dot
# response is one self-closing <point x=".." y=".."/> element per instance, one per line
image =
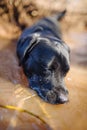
<point x="49" y="93"/>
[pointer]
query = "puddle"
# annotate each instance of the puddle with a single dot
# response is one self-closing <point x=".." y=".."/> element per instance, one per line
<point x="14" y="91"/>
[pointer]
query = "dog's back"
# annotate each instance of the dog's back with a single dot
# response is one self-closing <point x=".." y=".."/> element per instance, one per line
<point x="47" y="28"/>
<point x="46" y="25"/>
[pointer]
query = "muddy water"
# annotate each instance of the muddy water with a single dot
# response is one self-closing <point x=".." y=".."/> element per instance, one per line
<point x="14" y="91"/>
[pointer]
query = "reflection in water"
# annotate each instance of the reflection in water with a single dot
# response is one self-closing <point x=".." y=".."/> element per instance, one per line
<point x="14" y="92"/>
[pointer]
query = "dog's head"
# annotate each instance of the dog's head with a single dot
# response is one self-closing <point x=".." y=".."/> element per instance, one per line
<point x="45" y="62"/>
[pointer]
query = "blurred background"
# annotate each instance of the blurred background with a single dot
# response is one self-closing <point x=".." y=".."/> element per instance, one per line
<point x="15" y="16"/>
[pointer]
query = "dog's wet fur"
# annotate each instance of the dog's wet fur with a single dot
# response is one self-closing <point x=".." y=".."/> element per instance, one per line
<point x="44" y="57"/>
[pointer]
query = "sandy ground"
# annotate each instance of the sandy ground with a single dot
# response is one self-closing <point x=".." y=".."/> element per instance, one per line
<point x="69" y="116"/>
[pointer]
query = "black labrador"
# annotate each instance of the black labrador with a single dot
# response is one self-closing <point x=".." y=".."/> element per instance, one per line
<point x="44" y="57"/>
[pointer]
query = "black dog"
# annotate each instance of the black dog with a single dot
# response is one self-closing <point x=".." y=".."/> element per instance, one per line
<point x="45" y="59"/>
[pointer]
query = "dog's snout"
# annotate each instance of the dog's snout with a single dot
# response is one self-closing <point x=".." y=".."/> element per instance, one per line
<point x="57" y="95"/>
<point x="62" y="95"/>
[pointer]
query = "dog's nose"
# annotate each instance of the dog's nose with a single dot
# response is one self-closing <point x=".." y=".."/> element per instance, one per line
<point x="62" y="98"/>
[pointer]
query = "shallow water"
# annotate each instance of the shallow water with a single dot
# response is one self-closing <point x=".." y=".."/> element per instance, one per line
<point x="14" y="91"/>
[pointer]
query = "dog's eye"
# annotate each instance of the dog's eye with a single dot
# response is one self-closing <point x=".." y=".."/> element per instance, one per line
<point x="54" y="66"/>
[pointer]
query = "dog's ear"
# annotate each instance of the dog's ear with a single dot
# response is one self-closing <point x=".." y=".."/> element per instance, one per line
<point x="59" y="15"/>
<point x="25" y="46"/>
